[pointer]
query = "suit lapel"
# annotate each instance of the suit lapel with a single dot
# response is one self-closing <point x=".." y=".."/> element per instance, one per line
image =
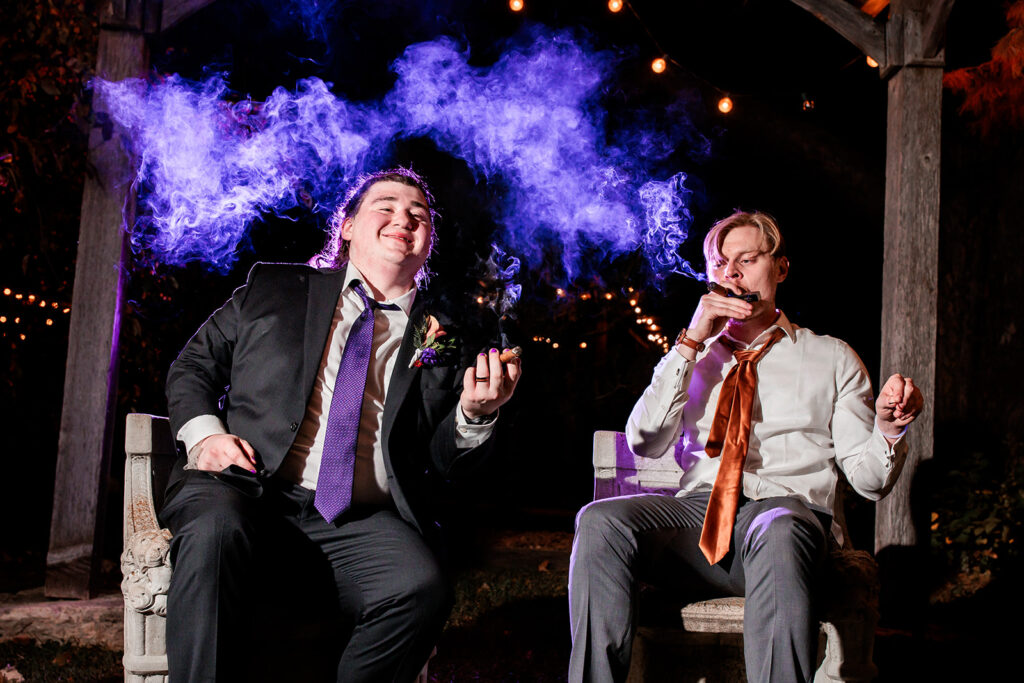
<point x="323" y="291"/>
<point x="402" y="376"/>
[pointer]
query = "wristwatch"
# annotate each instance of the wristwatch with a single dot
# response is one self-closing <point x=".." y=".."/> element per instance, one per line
<point x="681" y="338"/>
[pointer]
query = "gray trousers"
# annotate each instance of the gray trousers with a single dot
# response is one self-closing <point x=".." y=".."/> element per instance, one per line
<point x="264" y="589"/>
<point x="779" y="546"/>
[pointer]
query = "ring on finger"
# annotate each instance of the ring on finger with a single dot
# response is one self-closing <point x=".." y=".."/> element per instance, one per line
<point x="481" y="379"/>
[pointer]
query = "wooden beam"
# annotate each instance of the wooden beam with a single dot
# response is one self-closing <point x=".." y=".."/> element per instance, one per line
<point x="176" y="11"/>
<point x="90" y="381"/>
<point x="851" y="23"/>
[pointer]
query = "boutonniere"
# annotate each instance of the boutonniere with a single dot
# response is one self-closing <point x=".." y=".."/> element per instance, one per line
<point x="433" y="344"/>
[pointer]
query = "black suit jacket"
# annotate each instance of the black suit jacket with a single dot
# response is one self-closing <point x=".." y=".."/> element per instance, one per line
<point x="254" y="362"/>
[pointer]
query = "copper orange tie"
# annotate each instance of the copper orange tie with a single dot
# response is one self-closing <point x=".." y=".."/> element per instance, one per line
<point x="729" y="437"/>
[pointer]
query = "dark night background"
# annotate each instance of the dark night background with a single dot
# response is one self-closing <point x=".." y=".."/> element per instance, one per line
<point x="820" y="172"/>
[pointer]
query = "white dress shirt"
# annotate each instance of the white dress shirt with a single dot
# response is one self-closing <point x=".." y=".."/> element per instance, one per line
<point x="813" y="411"/>
<point x="302" y="464"/>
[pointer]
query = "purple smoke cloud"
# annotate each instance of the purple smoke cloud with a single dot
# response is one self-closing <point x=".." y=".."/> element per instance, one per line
<point x="208" y="167"/>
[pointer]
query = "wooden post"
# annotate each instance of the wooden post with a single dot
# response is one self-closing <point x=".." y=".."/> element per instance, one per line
<point x="910" y="57"/>
<point x="90" y="381"/>
<point x="910" y="269"/>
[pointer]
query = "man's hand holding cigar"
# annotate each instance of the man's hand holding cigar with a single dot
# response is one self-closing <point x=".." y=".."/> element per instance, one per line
<point x="489" y="385"/>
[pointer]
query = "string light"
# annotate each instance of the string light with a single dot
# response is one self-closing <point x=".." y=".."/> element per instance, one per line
<point x="871" y="62"/>
<point x="614" y="5"/>
<point x="725" y="105"/>
<point x="515" y="5"/>
<point x="30" y="299"/>
<point x="583" y="345"/>
<point x="659" y="65"/>
<point x="808" y="103"/>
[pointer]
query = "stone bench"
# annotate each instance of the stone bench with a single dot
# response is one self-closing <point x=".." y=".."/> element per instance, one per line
<point x="709" y="633"/>
<point x="145" y="561"/>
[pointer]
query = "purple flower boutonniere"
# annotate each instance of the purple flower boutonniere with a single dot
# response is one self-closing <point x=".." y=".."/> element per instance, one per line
<point x="433" y="344"/>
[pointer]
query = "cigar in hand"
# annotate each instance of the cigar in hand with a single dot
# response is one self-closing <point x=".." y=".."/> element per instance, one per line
<point x="749" y="297"/>
<point x="510" y="354"/>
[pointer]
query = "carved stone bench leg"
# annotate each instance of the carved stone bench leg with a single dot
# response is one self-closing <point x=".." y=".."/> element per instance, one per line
<point x="850" y="619"/>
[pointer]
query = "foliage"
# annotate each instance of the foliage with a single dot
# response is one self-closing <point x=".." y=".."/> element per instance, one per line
<point x="47" y="54"/>
<point x="43" y="65"/>
<point x="978" y="521"/>
<point x="993" y="92"/>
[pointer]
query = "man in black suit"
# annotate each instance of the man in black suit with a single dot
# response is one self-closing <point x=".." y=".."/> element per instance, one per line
<point x="254" y="508"/>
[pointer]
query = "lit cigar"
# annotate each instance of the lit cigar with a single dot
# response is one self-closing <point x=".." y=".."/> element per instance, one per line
<point x="510" y="354"/>
<point x="749" y="297"/>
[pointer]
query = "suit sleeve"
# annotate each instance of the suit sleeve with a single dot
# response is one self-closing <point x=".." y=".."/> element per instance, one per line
<point x="199" y="377"/>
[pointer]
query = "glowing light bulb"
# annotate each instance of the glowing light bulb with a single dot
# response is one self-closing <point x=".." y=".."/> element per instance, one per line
<point x="608" y="295"/>
<point x="583" y="345"/>
<point x="7" y="291"/>
<point x="808" y="104"/>
<point x="479" y="299"/>
<point x="555" y="345"/>
<point x="515" y="5"/>
<point x="725" y="105"/>
<point x="560" y="292"/>
<point x="614" y="5"/>
<point x="871" y="62"/>
<point x="658" y="65"/>
<point x="49" y="321"/>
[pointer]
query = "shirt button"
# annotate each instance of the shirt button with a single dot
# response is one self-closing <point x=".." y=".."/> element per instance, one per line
<point x="293" y="426"/>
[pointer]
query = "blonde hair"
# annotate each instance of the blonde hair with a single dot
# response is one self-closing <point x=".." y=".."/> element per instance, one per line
<point x="775" y="246"/>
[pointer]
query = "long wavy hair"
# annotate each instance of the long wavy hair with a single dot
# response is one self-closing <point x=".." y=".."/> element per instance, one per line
<point x="335" y="250"/>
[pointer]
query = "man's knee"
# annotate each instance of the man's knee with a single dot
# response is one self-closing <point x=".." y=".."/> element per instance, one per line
<point x="212" y="531"/>
<point x="788" y="526"/>
<point x="423" y="586"/>
<point x="602" y="517"/>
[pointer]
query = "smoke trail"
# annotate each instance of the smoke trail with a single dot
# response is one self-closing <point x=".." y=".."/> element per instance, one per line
<point x="667" y="208"/>
<point x="532" y="122"/>
<point x="208" y="168"/>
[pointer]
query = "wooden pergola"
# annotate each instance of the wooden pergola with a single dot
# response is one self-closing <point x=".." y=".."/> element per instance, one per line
<point x="908" y="46"/>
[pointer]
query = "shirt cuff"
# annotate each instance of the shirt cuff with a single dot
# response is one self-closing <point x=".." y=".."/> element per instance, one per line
<point x="889" y="450"/>
<point x="674" y="370"/>
<point x="194" y="431"/>
<point x="471" y="435"/>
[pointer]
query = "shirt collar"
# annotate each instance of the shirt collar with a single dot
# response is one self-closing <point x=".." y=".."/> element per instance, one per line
<point x="782" y="322"/>
<point x="404" y="301"/>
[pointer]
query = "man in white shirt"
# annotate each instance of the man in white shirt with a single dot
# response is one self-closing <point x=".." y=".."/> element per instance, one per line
<point x="812" y="414"/>
<point x="275" y="525"/>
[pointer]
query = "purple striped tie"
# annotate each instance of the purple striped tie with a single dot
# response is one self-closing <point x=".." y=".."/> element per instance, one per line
<point x="337" y="463"/>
